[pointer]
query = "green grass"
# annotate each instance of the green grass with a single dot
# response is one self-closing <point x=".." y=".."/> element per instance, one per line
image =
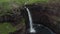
<point x="23" y="1"/>
<point x="5" y="28"/>
<point x="5" y="6"/>
<point x="5" y="3"/>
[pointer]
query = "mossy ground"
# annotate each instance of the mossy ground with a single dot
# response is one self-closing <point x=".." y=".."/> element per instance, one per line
<point x="5" y="28"/>
<point x="6" y="5"/>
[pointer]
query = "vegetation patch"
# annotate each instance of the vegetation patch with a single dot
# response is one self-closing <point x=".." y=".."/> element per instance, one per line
<point x="5" y="28"/>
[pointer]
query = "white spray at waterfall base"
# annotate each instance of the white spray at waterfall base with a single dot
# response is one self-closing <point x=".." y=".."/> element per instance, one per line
<point x="32" y="30"/>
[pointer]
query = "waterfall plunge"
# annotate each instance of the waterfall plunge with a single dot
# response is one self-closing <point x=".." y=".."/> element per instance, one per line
<point x="32" y="30"/>
<point x="39" y="28"/>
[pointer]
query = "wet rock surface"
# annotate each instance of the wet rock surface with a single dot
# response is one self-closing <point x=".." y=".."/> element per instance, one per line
<point x="45" y="14"/>
<point x="14" y="17"/>
<point x="40" y="29"/>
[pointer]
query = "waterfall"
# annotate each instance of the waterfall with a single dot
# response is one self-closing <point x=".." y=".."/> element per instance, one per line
<point x="32" y="30"/>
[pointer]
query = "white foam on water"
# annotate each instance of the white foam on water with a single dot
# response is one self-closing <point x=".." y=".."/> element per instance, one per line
<point x="32" y="31"/>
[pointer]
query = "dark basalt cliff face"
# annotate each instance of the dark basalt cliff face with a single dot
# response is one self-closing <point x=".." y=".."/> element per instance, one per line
<point x="46" y="14"/>
<point x="13" y="16"/>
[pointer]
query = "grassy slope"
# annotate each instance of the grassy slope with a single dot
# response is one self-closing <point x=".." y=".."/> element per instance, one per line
<point x="6" y="27"/>
<point x="23" y="1"/>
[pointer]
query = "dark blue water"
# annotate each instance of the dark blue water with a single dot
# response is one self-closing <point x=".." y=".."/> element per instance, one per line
<point x="37" y="28"/>
<point x="40" y="29"/>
